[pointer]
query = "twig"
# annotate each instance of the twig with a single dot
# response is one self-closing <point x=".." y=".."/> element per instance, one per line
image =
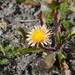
<point x="48" y="48"/>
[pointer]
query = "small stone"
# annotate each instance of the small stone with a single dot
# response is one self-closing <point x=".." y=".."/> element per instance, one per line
<point x="1" y="32"/>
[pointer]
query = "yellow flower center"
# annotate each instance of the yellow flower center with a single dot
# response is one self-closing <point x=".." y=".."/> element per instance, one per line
<point x="38" y="35"/>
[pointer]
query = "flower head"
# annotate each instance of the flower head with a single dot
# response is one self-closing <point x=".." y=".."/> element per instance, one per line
<point x="38" y="35"/>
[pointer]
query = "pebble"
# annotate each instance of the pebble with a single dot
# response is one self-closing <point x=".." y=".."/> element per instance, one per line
<point x="1" y="32"/>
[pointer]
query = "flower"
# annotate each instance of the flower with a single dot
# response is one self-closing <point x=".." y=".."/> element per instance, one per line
<point x="38" y="35"/>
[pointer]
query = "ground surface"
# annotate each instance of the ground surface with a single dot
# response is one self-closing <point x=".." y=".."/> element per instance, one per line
<point x="14" y="15"/>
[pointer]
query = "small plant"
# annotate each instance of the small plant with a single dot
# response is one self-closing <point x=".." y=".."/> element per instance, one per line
<point x="49" y="18"/>
<point x="4" y="62"/>
<point x="63" y="8"/>
<point x="42" y="36"/>
<point x="7" y="53"/>
<point x="3" y="58"/>
<point x="4" y="49"/>
<point x="18" y="52"/>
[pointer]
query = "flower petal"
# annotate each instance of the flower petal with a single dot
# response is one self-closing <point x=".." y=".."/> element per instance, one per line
<point x="42" y="43"/>
<point x="45" y="43"/>
<point x="30" y="42"/>
<point x="28" y="35"/>
<point x="28" y="39"/>
<point x="33" y="44"/>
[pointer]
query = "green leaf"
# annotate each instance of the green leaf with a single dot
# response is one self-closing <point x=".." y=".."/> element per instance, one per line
<point x="20" y="0"/>
<point x="63" y="8"/>
<point x="72" y="47"/>
<point x="20" y="51"/>
<point x="1" y="49"/>
<point x="50" y="60"/>
<point x="69" y="34"/>
<point x="23" y="33"/>
<point x="4" y="49"/>
<point x="58" y="38"/>
<point x="13" y="53"/>
<point x="72" y="8"/>
<point x="54" y="5"/>
<point x="65" y="23"/>
<point x="61" y="55"/>
<point x="4" y="61"/>
<point x="45" y="53"/>
<point x="7" y="47"/>
<point x="64" y="54"/>
<point x="49" y="19"/>
<point x="26" y="50"/>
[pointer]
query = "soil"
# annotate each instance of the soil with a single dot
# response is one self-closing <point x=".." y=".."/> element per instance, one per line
<point x="14" y="15"/>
